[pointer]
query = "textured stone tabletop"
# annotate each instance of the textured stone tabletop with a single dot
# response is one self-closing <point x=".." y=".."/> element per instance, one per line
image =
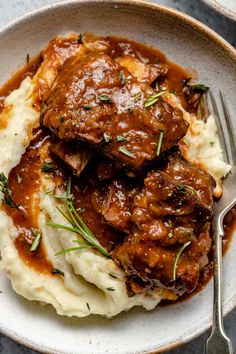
<point x="11" y="9"/>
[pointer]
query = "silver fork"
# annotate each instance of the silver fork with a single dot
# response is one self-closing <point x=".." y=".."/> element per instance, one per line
<point x="218" y="342"/>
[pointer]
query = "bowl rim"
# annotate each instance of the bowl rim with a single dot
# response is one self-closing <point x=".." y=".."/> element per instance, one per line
<point x="223" y="10"/>
<point x="193" y="23"/>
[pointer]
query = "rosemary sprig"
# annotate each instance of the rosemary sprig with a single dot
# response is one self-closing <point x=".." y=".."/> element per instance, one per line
<point x="35" y="242"/>
<point x="151" y="100"/>
<point x="160" y="140"/>
<point x="78" y="226"/>
<point x="126" y="152"/>
<point x="6" y="192"/>
<point x="178" y="257"/>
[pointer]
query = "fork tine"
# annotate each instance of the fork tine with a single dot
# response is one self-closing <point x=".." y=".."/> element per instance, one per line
<point x="230" y="130"/>
<point x="211" y="103"/>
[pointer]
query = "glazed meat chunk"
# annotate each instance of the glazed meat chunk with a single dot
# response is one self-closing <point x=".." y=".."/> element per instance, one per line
<point x="117" y="205"/>
<point x="172" y="211"/>
<point x="75" y="157"/>
<point x="151" y="265"/>
<point x="175" y="189"/>
<point x="97" y="101"/>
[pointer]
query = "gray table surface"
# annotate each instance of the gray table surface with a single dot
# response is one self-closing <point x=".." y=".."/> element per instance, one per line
<point x="11" y="9"/>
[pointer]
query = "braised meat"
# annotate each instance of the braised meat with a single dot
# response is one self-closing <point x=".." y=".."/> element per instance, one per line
<point x="117" y="205"/>
<point x="176" y="189"/>
<point x="172" y="210"/>
<point x="95" y="100"/>
<point x="75" y="157"/>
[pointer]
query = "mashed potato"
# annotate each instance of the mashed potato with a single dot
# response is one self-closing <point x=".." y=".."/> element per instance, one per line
<point x="201" y="146"/>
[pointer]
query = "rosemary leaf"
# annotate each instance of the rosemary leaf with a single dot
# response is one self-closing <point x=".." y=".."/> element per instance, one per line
<point x="200" y="88"/>
<point x="67" y="250"/>
<point x="178" y="257"/>
<point x="87" y="107"/>
<point x="181" y="187"/>
<point x="88" y="306"/>
<point x="6" y="192"/>
<point x="47" y="166"/>
<point x="105" y="98"/>
<point x="151" y="100"/>
<point x="173" y="92"/>
<point x="122" y="78"/>
<point x="126" y="152"/>
<point x="120" y="138"/>
<point x="57" y="271"/>
<point x="160" y="140"/>
<point x="110" y="289"/>
<point x="112" y="276"/>
<point x="35" y="242"/>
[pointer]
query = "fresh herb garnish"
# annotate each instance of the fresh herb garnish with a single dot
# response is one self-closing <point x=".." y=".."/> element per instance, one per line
<point x="47" y="166"/>
<point x="110" y="289"/>
<point x="160" y="140"/>
<point x="126" y="152"/>
<point x="181" y="187"/>
<point x="178" y="257"/>
<point x="105" y="98"/>
<point x="6" y="192"/>
<point x="88" y="306"/>
<point x="87" y="107"/>
<point x="81" y="38"/>
<point x="122" y="78"/>
<point x="120" y="138"/>
<point x="107" y="137"/>
<point x="173" y="91"/>
<point x="151" y="100"/>
<point x="49" y="191"/>
<point x="77" y="225"/>
<point x="36" y="241"/>
<point x="27" y="58"/>
<point x="200" y="88"/>
<point x="211" y="143"/>
<point x="57" y="271"/>
<point x="112" y="276"/>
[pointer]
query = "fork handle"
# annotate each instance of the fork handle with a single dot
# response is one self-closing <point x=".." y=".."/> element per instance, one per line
<point x="218" y="342"/>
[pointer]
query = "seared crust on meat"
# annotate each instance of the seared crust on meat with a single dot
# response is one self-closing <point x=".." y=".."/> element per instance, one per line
<point x="97" y="101"/>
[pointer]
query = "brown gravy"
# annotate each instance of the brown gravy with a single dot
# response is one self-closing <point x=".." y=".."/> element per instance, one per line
<point x="24" y="185"/>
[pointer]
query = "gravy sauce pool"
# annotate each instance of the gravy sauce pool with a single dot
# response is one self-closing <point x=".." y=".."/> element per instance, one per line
<point x="24" y="178"/>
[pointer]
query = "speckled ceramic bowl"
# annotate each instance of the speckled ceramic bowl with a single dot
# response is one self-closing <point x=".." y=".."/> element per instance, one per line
<point x="226" y="7"/>
<point x="190" y="44"/>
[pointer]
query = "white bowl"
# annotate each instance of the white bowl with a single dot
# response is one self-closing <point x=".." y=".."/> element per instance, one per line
<point x="188" y="43"/>
<point x="226" y="7"/>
